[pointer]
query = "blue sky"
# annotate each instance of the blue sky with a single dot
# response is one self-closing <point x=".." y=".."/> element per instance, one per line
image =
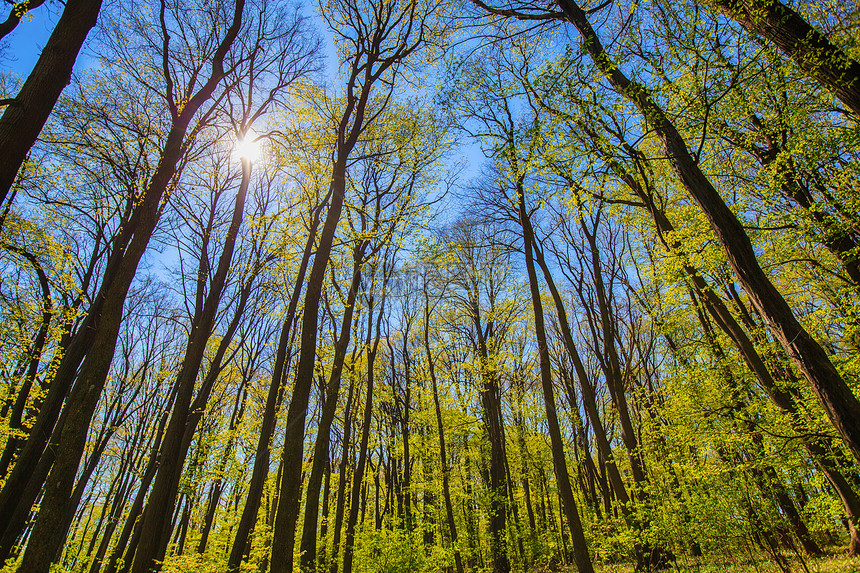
<point x="21" y="49"/>
<point x="23" y="46"/>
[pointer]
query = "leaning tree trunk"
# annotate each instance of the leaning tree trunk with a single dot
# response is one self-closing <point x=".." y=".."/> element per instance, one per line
<point x="814" y="443"/>
<point x="840" y="403"/>
<point x="28" y="111"/>
<point x="805" y="45"/>
<point x="156" y="517"/>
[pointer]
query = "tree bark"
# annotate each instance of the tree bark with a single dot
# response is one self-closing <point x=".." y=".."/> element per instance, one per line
<point x="25" y="116"/>
<point x="805" y="45"/>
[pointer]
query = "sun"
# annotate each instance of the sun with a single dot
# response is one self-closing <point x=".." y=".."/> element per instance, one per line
<point x="248" y="147"/>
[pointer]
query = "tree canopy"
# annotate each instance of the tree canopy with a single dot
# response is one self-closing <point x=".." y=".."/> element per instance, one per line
<point x="387" y="285"/>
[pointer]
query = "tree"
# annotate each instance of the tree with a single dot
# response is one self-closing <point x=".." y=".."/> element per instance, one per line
<point x="271" y="70"/>
<point x="98" y="334"/>
<point x="841" y="405"/>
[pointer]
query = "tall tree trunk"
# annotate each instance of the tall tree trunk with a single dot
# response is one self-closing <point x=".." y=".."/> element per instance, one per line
<point x="589" y="397"/>
<point x="156" y="518"/>
<point x="274" y="399"/>
<point x="443" y="458"/>
<point x="612" y="366"/>
<point x="132" y="524"/>
<point x="29" y="367"/>
<point x="291" y="458"/>
<point x="309" y="529"/>
<point x="580" y="548"/>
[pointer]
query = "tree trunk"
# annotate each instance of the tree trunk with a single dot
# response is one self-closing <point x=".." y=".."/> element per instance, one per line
<point x="840" y="404"/>
<point x="443" y="458"/>
<point x="807" y="47"/>
<point x="155" y="523"/>
<point x="274" y="399"/>
<point x="342" y="479"/>
<point x="98" y="338"/>
<point x="25" y="116"/>
<point x="309" y="529"/>
<point x="580" y="548"/>
<point x="491" y="404"/>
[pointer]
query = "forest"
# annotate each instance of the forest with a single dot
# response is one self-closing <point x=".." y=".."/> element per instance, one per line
<point x="383" y="286"/>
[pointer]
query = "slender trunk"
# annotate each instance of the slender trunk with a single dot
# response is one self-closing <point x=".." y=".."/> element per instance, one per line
<point x="580" y="548"/>
<point x="443" y="458"/>
<point x="612" y="367"/>
<point x="218" y="485"/>
<point x="589" y="397"/>
<point x="326" y="513"/>
<point x="115" y="512"/>
<point x="309" y="529"/>
<point x="342" y="479"/>
<point x="274" y="398"/>
<point x="29" y="367"/>
<point x="156" y="523"/>
<point x="132" y="523"/>
<point x="358" y="476"/>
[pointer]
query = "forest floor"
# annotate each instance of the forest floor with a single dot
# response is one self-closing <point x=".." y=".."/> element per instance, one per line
<point x="755" y="563"/>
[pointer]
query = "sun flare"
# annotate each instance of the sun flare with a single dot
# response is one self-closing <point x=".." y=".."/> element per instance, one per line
<point x="249" y="147"/>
